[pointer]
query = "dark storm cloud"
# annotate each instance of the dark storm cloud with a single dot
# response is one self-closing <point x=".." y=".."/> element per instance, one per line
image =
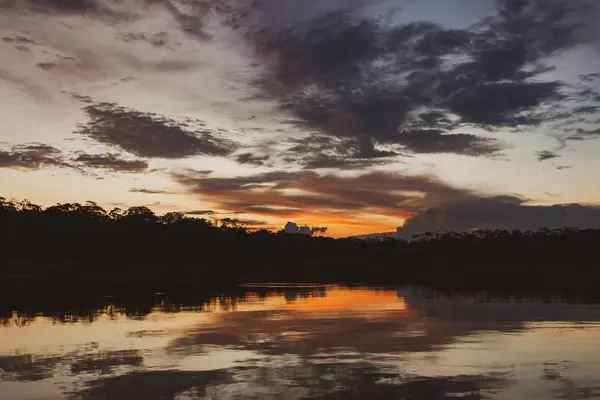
<point x="353" y="76"/>
<point x="500" y="104"/>
<point x="546" y="155"/>
<point x="322" y="151"/>
<point x="252" y="159"/>
<point x="32" y="156"/>
<point x="499" y="213"/>
<point x="435" y="141"/>
<point x="112" y="162"/>
<point x="152" y="135"/>
<point x="276" y="193"/>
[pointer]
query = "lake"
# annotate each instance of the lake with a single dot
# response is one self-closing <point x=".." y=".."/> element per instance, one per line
<point x="276" y="341"/>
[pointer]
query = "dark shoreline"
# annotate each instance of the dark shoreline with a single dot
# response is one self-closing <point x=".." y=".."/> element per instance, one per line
<point x="76" y="288"/>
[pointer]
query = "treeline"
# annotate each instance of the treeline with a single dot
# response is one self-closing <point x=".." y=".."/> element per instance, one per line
<point x="84" y="239"/>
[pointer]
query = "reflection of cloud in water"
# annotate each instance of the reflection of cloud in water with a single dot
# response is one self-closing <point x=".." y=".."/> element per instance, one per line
<point x="152" y="385"/>
<point x="366" y="321"/>
<point x="105" y="362"/>
<point x="485" y="313"/>
<point x="329" y="343"/>
<point x="27" y="367"/>
<point x="291" y="380"/>
<point x="30" y="367"/>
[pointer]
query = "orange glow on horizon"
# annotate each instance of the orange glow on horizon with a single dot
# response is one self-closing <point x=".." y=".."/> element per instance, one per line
<point x="335" y="299"/>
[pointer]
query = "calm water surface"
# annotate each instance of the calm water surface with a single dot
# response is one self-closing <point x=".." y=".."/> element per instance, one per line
<point x="308" y="341"/>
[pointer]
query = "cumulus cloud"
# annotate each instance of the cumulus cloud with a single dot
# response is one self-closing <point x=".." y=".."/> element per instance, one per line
<point x="152" y="135"/>
<point x="293" y="228"/>
<point x="499" y="213"/>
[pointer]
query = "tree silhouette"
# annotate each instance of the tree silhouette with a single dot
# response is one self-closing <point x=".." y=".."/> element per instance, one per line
<point x="86" y="232"/>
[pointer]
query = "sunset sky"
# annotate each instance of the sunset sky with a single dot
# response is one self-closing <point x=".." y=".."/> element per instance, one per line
<point x="355" y="115"/>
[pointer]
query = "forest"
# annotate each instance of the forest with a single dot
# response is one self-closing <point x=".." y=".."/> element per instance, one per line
<point x="85" y="243"/>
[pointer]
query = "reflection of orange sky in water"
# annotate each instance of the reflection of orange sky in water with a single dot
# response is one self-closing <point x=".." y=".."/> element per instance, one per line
<point x="335" y="299"/>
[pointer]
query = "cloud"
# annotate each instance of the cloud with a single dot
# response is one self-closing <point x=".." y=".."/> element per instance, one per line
<point x="546" y="155"/>
<point x="150" y="191"/>
<point x="192" y="23"/>
<point x="252" y="159"/>
<point x="152" y="135"/>
<point x="426" y="203"/>
<point x="160" y="39"/>
<point x="581" y="134"/>
<point x="348" y="74"/>
<point x="502" y="104"/>
<point x="264" y="209"/>
<point x="154" y="384"/>
<point x="499" y="213"/>
<point x="285" y="193"/>
<point x="32" y="156"/>
<point x="293" y="228"/>
<point x="200" y="212"/>
<point x="22" y="40"/>
<point x="64" y="6"/>
<point x="251" y="222"/>
<point x="112" y="162"/>
<point x="98" y="9"/>
<point x="322" y="151"/>
<point x="435" y="141"/>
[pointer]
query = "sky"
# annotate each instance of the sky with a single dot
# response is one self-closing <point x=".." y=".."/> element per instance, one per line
<point x="359" y="116"/>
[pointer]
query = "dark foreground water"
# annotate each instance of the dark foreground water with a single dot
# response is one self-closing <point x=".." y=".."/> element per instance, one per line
<point x="309" y="341"/>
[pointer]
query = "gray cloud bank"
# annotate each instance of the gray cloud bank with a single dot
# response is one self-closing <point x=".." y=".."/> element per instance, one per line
<point x="508" y="213"/>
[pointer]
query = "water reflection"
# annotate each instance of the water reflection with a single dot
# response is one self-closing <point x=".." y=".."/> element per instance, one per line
<point x="306" y="341"/>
